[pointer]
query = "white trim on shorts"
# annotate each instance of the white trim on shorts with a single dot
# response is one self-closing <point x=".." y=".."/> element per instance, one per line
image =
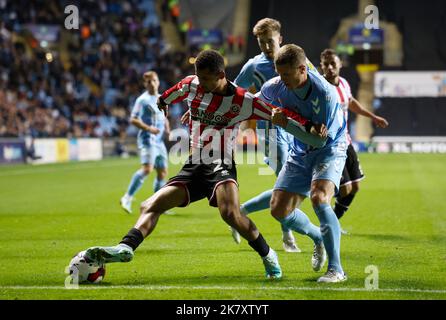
<point x="351" y="181"/>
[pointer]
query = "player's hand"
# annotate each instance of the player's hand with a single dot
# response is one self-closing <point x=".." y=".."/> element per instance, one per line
<point x="185" y="117"/>
<point x="319" y="130"/>
<point x="153" y="130"/>
<point x="380" y="122"/>
<point x="278" y="118"/>
<point x="163" y="107"/>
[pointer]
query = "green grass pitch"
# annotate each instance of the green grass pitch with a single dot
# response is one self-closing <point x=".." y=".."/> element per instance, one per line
<point x="50" y="212"/>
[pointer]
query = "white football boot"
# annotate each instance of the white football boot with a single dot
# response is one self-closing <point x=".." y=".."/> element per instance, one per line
<point x="319" y="256"/>
<point x="235" y="235"/>
<point x="126" y="203"/>
<point x="332" y="276"/>
<point x="272" y="267"/>
<point x="289" y="243"/>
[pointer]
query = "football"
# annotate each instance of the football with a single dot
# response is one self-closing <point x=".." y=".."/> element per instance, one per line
<point x="84" y="270"/>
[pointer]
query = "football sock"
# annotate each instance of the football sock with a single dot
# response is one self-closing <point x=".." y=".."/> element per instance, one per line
<point x="158" y="184"/>
<point x="136" y="182"/>
<point x="133" y="239"/>
<point x="342" y="204"/>
<point x="331" y="234"/>
<point x="260" y="245"/>
<point x="258" y="203"/>
<point x="298" y="221"/>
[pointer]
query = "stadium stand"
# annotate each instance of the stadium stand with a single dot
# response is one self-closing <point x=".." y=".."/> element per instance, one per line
<point x="87" y="84"/>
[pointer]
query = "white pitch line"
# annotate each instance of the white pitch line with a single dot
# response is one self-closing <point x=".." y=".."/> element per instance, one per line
<point x="96" y="287"/>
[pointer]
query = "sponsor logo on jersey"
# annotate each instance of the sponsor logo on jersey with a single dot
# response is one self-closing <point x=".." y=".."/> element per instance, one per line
<point x="235" y="108"/>
<point x="209" y="117"/>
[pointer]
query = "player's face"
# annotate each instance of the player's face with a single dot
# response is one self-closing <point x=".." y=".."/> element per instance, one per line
<point x="269" y="43"/>
<point x="209" y="81"/>
<point x="152" y="83"/>
<point x="331" y="65"/>
<point x="292" y="76"/>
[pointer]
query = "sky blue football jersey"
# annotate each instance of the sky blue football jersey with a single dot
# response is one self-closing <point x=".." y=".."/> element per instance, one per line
<point x="319" y="105"/>
<point x="146" y="109"/>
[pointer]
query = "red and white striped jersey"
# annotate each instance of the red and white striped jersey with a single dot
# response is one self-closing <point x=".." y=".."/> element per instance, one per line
<point x="344" y="96"/>
<point x="217" y="115"/>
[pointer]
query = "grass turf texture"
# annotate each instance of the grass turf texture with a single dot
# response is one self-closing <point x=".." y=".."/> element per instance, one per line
<point x="50" y="212"/>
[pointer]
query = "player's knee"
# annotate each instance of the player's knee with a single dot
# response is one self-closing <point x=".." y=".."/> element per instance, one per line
<point x="318" y="197"/>
<point x="346" y="190"/>
<point x="146" y="170"/>
<point x="229" y="213"/>
<point x="279" y="211"/>
<point x="162" y="174"/>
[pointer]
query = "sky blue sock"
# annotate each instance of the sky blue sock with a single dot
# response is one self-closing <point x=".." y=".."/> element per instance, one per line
<point x="331" y="233"/>
<point x="298" y="221"/>
<point x="260" y="202"/>
<point x="136" y="182"/>
<point x="158" y="184"/>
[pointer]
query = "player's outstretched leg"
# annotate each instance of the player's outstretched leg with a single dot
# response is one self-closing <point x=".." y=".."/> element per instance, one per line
<point x="229" y="207"/>
<point x="151" y="209"/>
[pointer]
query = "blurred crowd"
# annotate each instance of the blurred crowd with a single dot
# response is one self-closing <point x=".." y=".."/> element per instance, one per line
<point x="85" y="83"/>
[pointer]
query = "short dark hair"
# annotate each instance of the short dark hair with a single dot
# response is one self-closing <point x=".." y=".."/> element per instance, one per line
<point x="328" y="53"/>
<point x="210" y="60"/>
<point x="264" y="25"/>
<point x="290" y="54"/>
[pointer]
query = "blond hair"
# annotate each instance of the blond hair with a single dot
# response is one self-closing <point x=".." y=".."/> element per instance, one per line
<point x="149" y="74"/>
<point x="266" y="24"/>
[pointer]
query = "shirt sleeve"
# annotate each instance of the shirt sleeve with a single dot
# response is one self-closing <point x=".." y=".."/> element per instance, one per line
<point x="262" y="111"/>
<point x="178" y="92"/>
<point x="137" y="109"/>
<point x="245" y="78"/>
<point x="266" y="95"/>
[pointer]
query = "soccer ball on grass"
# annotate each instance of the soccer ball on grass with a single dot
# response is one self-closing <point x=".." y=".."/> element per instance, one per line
<point x="84" y="270"/>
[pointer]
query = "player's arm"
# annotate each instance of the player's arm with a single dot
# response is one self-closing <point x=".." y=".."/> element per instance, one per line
<point x="312" y="134"/>
<point x="175" y="94"/>
<point x="141" y="125"/>
<point x="301" y="128"/>
<point x="356" y="107"/>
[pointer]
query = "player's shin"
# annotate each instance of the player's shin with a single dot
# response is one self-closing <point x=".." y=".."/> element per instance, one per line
<point x="136" y="182"/>
<point x="331" y="234"/>
<point x="298" y="221"/>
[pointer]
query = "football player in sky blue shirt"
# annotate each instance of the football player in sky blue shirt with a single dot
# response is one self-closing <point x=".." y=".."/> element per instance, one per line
<point x="311" y="170"/>
<point x="152" y="124"/>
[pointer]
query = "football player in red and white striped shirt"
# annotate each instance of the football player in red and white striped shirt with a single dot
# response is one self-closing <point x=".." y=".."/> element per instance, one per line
<point x="217" y="107"/>
<point x="352" y="174"/>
